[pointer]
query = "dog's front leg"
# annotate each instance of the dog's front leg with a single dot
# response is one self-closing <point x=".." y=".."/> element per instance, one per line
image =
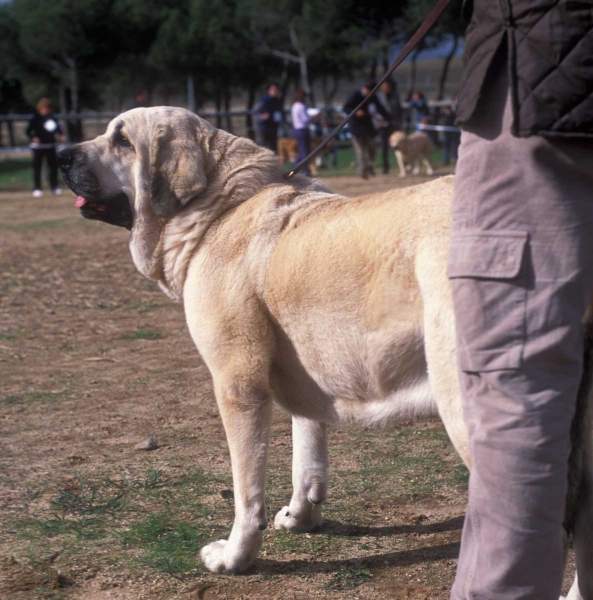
<point x="246" y="413"/>
<point x="309" y="477"/>
<point x="400" y="163"/>
<point x="427" y="165"/>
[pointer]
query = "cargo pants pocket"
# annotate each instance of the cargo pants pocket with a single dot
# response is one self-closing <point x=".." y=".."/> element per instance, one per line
<point x="488" y="279"/>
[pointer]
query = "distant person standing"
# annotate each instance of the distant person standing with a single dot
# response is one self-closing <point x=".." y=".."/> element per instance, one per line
<point x="362" y="128"/>
<point x="44" y="132"/>
<point x="452" y="138"/>
<point x="300" y="124"/>
<point x="388" y="98"/>
<point x="420" y="109"/>
<point x="269" y="116"/>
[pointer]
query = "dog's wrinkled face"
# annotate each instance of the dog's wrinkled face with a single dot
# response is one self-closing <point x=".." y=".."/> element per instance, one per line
<point x="100" y="173"/>
<point x="148" y="163"/>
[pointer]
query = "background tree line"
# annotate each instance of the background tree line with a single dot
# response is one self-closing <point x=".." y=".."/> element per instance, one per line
<point x="92" y="54"/>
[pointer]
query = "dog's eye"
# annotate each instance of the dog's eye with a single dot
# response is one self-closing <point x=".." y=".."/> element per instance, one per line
<point x="122" y="141"/>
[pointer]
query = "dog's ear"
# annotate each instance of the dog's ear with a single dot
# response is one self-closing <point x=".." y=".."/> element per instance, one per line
<point x="176" y="169"/>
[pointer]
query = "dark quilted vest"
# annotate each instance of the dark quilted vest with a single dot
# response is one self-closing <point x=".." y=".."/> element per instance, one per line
<point x="549" y="45"/>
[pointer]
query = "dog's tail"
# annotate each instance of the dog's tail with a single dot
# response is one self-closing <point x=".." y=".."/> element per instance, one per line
<point x="578" y="518"/>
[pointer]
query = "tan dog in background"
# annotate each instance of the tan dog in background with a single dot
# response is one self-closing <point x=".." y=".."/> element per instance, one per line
<point x="288" y="151"/>
<point x="338" y="309"/>
<point x="411" y="150"/>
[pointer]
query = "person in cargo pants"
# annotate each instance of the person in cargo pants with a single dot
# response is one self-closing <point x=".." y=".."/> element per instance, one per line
<point x="521" y="271"/>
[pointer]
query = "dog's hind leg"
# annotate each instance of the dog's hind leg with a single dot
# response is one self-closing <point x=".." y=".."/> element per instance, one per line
<point x="427" y="166"/>
<point x="400" y="163"/>
<point x="309" y="477"/>
<point x="246" y="410"/>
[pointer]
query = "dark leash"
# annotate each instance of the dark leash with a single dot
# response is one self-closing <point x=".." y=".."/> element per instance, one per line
<point x="434" y="14"/>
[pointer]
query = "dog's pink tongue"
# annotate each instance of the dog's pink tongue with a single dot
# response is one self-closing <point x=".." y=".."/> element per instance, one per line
<point x="80" y="201"/>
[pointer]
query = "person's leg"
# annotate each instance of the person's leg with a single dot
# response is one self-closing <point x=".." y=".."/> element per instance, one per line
<point x="37" y="163"/>
<point x="303" y="144"/>
<point x="361" y="152"/>
<point x="447" y="149"/>
<point x="521" y="278"/>
<point x="270" y="139"/>
<point x="52" y="165"/>
<point x="385" y="149"/>
<point x="372" y="153"/>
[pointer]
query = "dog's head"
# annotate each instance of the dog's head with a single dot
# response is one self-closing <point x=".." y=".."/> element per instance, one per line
<point x="396" y="139"/>
<point x="149" y="160"/>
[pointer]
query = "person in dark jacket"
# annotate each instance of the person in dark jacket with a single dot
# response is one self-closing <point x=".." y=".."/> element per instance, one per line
<point x="362" y="127"/>
<point x="388" y="98"/>
<point x="420" y="109"/>
<point x="44" y="131"/>
<point x="522" y="278"/>
<point x="269" y="116"/>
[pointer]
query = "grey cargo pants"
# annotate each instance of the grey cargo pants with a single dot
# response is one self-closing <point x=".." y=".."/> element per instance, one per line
<point x="521" y="270"/>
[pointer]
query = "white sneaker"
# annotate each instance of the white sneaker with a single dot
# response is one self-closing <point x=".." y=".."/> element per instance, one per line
<point x="37" y="193"/>
<point x="57" y="192"/>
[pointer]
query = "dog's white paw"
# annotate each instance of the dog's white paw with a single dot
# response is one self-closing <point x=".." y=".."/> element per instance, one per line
<point x="212" y="556"/>
<point x="218" y="558"/>
<point x="284" y="519"/>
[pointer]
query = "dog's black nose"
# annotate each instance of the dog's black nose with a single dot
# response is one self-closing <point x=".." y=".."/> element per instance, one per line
<point x="66" y="158"/>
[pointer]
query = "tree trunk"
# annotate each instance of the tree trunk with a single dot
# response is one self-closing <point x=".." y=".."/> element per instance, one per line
<point x="415" y="54"/>
<point x="218" y="103"/>
<point x="445" y="70"/>
<point x="373" y="70"/>
<point x="73" y="85"/>
<point x="304" y="74"/>
<point x="250" y="104"/>
<point x="329" y="91"/>
<point x="284" y="80"/>
<point x="11" y="140"/>
<point x="385" y="57"/>
<point x="311" y="94"/>
<point x="76" y="125"/>
<point x="62" y="97"/>
<point x="191" y="96"/>
<point x="227" y="108"/>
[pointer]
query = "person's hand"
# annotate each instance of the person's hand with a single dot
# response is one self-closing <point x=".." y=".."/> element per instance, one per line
<point x="35" y="140"/>
<point x="62" y="138"/>
<point x="360" y="112"/>
<point x="265" y="116"/>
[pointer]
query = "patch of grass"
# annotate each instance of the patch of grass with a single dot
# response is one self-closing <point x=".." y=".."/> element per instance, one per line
<point x="348" y="577"/>
<point x="5" y="337"/>
<point x="169" y="545"/>
<point x="84" y="528"/>
<point x="143" y="334"/>
<point x="88" y="499"/>
<point x="30" y="398"/>
<point x="16" y="173"/>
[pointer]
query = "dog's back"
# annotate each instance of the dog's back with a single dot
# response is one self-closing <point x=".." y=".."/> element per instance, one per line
<point x="342" y="285"/>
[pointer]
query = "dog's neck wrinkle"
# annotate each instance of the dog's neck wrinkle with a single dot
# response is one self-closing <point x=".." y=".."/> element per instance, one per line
<point x="228" y="187"/>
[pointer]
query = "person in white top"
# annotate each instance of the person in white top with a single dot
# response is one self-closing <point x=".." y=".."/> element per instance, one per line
<point x="300" y="124"/>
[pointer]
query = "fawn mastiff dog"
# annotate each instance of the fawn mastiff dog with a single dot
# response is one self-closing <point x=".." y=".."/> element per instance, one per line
<point x="338" y="309"/>
<point x="411" y="150"/>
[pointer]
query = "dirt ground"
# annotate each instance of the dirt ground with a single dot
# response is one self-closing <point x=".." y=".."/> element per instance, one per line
<point x="95" y="359"/>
